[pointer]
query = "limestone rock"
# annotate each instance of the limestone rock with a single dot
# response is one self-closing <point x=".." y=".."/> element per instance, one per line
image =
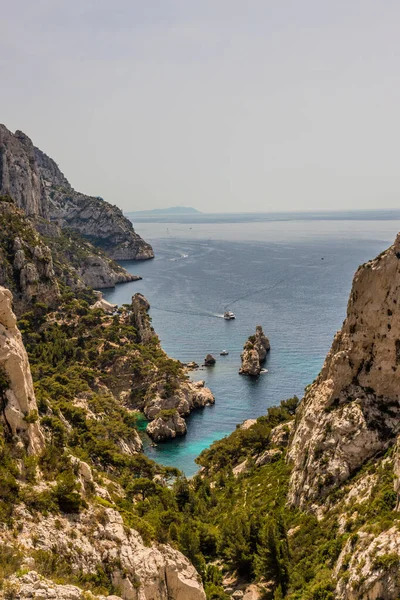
<point x="186" y="397"/>
<point x="372" y="567"/>
<point x="352" y="410"/>
<point x="140" y="572"/>
<point x="140" y="307"/>
<point x="16" y="390"/>
<point x="248" y="423"/>
<point x="20" y="177"/>
<point x="166" y="426"/>
<point x="254" y="353"/>
<point x="31" y="585"/>
<point x="104" y="305"/>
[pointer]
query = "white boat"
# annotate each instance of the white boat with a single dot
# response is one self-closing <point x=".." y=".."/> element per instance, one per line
<point x="224" y="353"/>
<point x="229" y="315"/>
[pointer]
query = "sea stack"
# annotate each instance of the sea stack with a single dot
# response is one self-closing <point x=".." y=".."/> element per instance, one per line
<point x="209" y="360"/>
<point x="254" y="353"/>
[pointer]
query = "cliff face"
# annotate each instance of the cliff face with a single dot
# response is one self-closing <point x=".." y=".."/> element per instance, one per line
<point x="38" y="186"/>
<point x="17" y="397"/>
<point x="20" y="177"/>
<point x="352" y="410"/>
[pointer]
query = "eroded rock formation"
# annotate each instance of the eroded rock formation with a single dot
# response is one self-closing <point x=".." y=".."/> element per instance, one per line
<point x="17" y="397"/>
<point x="254" y="353"/>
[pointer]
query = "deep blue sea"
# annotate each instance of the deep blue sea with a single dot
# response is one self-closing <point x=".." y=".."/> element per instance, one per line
<point x="291" y="276"/>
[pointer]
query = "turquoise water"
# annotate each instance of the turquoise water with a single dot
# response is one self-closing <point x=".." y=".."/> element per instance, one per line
<point x="291" y="277"/>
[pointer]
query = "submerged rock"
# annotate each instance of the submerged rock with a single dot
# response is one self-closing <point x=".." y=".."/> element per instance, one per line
<point x="254" y="353"/>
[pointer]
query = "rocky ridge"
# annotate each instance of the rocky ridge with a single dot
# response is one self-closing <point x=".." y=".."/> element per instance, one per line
<point x="38" y="187"/>
<point x="254" y="353"/>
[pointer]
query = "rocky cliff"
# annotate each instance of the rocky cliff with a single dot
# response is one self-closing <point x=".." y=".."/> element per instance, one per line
<point x="351" y="412"/>
<point x="19" y="411"/>
<point x="20" y="176"/>
<point x="37" y="186"/>
<point x="26" y="262"/>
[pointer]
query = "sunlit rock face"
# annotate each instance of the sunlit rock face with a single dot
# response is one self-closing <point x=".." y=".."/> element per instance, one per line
<point x="352" y="409"/>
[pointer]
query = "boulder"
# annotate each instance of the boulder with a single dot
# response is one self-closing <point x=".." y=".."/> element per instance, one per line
<point x="209" y="360"/>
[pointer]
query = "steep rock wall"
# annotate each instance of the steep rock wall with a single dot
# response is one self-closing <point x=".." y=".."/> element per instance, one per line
<point x="352" y="410"/>
<point x="17" y="397"/>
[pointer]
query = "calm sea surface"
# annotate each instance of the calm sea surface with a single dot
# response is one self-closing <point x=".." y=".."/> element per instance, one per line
<point x="292" y="277"/>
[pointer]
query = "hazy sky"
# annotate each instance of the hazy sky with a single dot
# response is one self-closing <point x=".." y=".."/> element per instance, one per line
<point x="224" y="105"/>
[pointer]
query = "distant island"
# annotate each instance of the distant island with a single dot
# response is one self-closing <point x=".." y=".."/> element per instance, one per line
<point x="173" y="210"/>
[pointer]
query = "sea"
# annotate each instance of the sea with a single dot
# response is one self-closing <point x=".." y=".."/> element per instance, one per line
<point x="290" y="273"/>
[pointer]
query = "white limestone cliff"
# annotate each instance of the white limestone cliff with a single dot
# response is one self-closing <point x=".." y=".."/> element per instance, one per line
<point x="17" y="396"/>
<point x="351" y="412"/>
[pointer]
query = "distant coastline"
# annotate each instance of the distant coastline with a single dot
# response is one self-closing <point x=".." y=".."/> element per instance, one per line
<point x="193" y="216"/>
<point x="173" y="210"/>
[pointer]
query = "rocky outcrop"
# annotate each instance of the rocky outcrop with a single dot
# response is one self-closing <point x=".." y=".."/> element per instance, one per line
<point x="371" y="567"/>
<point x="140" y="308"/>
<point x="254" y="353"/>
<point x="20" y="176"/>
<point x="352" y="410"/>
<point x="167" y="425"/>
<point x="103" y="304"/>
<point x="17" y="397"/>
<point x="187" y="396"/>
<point x="96" y="538"/>
<point x="37" y="185"/>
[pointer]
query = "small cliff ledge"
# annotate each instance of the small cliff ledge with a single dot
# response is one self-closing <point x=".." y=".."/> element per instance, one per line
<point x="254" y="353"/>
<point x="17" y="397"/>
<point x="352" y="410"/>
<point x="38" y="186"/>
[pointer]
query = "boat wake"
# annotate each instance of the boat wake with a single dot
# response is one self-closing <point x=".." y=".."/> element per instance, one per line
<point x="266" y="288"/>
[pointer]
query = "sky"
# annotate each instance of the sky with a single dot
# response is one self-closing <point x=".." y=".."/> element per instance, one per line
<point x="223" y="105"/>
